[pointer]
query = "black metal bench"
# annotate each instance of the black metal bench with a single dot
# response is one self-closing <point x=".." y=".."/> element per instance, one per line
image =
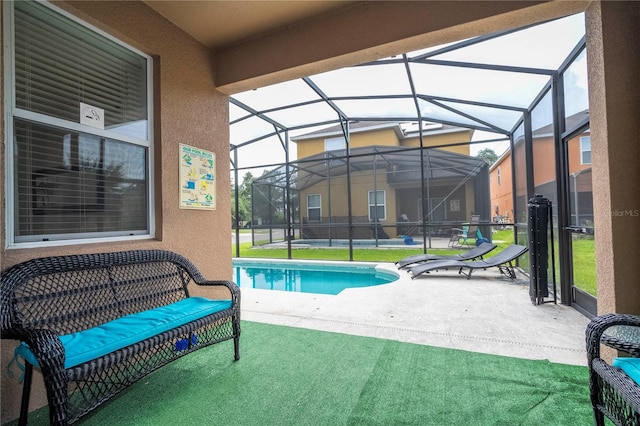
<point x="613" y="393"/>
<point x="94" y="324"/>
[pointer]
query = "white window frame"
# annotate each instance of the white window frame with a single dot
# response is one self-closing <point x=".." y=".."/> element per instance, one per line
<point x="583" y="139"/>
<point x="11" y="113"/>
<point x="499" y="178"/>
<point x="319" y="207"/>
<point x="384" y="204"/>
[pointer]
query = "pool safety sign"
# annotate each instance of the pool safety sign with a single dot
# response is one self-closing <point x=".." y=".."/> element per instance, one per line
<point x="197" y="178"/>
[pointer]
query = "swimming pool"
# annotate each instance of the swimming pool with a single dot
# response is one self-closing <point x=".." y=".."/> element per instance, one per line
<point x="308" y="276"/>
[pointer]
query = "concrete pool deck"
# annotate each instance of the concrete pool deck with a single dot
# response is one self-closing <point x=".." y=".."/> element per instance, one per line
<point x="488" y="313"/>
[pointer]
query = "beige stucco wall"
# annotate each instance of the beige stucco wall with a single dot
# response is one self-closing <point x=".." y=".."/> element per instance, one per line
<point x="369" y="31"/>
<point x="613" y="68"/>
<point x="188" y="110"/>
<point x="383" y="137"/>
<point x="361" y="184"/>
<point x="380" y="137"/>
<point x="388" y="137"/>
<point x="441" y="140"/>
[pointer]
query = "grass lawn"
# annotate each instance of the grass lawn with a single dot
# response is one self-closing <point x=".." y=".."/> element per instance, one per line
<point x="584" y="265"/>
<point x="502" y="238"/>
<point x="242" y="231"/>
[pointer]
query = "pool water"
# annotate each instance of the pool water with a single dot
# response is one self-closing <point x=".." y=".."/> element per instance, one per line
<point x="322" y="278"/>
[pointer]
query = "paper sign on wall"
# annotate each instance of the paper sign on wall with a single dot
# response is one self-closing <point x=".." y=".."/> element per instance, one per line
<point x="197" y="178"/>
<point x="91" y="116"/>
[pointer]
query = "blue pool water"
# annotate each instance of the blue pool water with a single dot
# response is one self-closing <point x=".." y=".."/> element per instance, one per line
<point x="323" y="278"/>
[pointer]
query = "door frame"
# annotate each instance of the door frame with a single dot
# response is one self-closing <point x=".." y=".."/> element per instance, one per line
<point x="571" y="295"/>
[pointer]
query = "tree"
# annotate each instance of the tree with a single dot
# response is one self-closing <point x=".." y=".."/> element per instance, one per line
<point x="245" y="186"/>
<point x="244" y="213"/>
<point x="244" y="200"/>
<point x="269" y="198"/>
<point x="488" y="154"/>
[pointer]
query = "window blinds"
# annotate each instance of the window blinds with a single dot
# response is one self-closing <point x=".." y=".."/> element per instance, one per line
<point x="59" y="63"/>
<point x="70" y="184"/>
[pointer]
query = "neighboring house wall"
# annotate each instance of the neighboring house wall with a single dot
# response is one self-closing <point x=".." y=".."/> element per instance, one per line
<point x="543" y="170"/>
<point x="544" y="165"/>
<point x="442" y="140"/>
<point x="361" y="184"/>
<point x="389" y="137"/>
<point x="501" y="187"/>
<point x="575" y="163"/>
<point x="382" y="137"/>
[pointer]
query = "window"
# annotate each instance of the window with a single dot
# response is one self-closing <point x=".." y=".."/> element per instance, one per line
<point x="499" y="179"/>
<point x="79" y="105"/>
<point x="585" y="150"/>
<point x="314" y="207"/>
<point x="377" y="206"/>
<point x="334" y="144"/>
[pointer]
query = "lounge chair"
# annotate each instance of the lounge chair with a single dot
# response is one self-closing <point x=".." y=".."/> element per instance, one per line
<point x="503" y="261"/>
<point x="472" y="254"/>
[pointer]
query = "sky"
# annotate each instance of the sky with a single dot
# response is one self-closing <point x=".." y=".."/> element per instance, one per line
<point x="545" y="46"/>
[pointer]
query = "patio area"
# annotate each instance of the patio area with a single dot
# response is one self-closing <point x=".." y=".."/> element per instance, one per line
<point x="95" y="169"/>
<point x="488" y="313"/>
<point x="428" y="351"/>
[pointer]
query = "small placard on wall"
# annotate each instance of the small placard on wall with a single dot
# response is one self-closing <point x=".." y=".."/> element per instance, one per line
<point x="91" y="116"/>
<point x="454" y="205"/>
<point x="197" y="178"/>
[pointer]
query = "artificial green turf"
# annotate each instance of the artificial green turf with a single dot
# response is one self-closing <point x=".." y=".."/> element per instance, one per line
<point x="291" y="376"/>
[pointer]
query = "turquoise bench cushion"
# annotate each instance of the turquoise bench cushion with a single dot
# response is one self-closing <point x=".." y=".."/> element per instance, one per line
<point x="631" y="366"/>
<point x="98" y="341"/>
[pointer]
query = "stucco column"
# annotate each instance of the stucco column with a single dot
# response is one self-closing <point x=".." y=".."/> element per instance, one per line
<point x="613" y="37"/>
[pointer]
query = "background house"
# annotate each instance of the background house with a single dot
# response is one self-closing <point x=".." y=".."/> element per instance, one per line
<point x="386" y="168"/>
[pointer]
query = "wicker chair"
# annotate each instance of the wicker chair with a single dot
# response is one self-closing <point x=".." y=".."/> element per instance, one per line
<point x="133" y="310"/>
<point x="613" y="393"/>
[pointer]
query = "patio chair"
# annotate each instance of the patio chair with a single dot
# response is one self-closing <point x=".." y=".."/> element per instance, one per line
<point x="471" y="254"/>
<point x="503" y="261"/>
<point x="615" y="386"/>
<point x="467" y="233"/>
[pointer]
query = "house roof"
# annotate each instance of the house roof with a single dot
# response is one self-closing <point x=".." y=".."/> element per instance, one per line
<point x="403" y="130"/>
